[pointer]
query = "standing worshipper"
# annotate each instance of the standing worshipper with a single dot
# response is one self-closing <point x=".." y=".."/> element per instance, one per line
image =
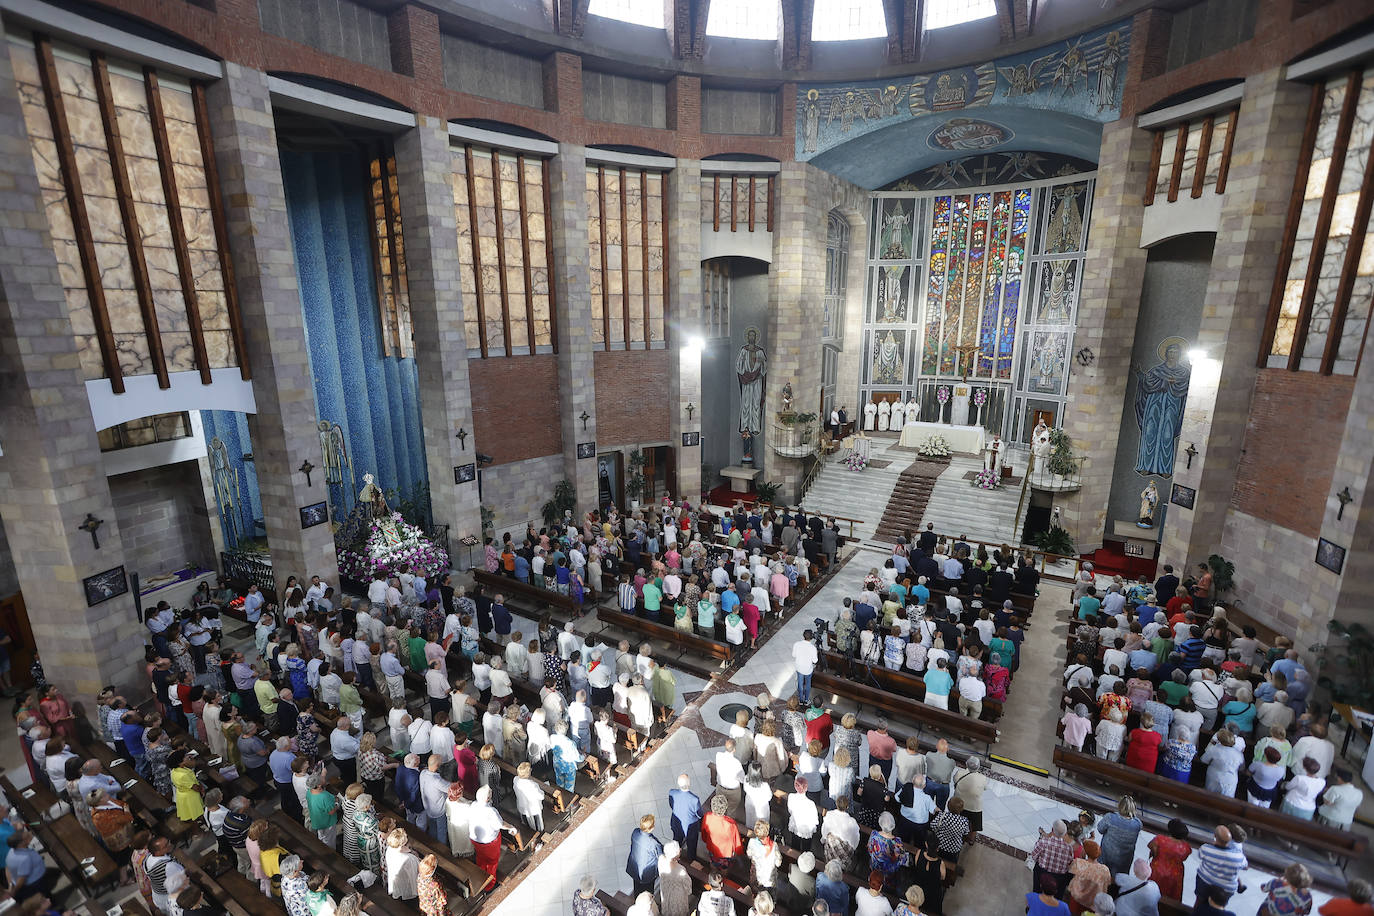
<point x="485" y="827"/>
<point x="642" y="864"/>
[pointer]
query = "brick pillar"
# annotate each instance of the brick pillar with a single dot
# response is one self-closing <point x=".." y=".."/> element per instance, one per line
<point x="576" y="380"/>
<point x="684" y="295"/>
<point x="424" y="170"/>
<point x="1107" y="309"/>
<point x="1264" y="159"/>
<point x="51" y="474"/>
<point x="284" y="428"/>
<point x="415" y="43"/>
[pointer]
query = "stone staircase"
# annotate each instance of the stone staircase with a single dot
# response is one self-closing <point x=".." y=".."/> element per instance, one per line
<point x="956" y="507"/>
<point x="860" y="495"/>
<point x="908" y="502"/>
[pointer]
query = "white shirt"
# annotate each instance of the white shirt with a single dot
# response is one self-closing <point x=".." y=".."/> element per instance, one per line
<point x="804" y="657"/>
<point x="441" y="741"/>
<point x="452" y="624"/>
<point x="484" y="824"/>
<point x="376" y="592"/>
<point x="315" y="592"/>
<point x="529" y="797"/>
<point x="1319" y="749"/>
<point x="972" y="689"/>
<point x="802" y="815"/>
<point x="842" y="825"/>
<point x="330" y="685"/>
<point x="500" y="683"/>
<point x="729" y="772"/>
<point x="865" y="904"/>
<point x="436" y="684"/>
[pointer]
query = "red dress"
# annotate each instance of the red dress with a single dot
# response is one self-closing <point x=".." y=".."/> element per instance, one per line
<point x="1166" y="864"/>
<point x="1143" y="752"/>
<point x="57" y="714"/>
<point x="818" y="729"/>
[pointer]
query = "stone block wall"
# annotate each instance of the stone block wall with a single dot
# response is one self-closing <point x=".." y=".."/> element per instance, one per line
<point x="9" y="576"/>
<point x="162" y="518"/>
<point x="516" y="491"/>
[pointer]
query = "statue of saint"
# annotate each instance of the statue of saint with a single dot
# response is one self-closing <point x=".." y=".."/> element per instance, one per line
<point x="1149" y="501"/>
<point x="787" y="396"/>
<point x="887" y="362"/>
<point x="811" y="120"/>
<point x="1159" y="398"/>
<point x="751" y="368"/>
<point x="371" y="498"/>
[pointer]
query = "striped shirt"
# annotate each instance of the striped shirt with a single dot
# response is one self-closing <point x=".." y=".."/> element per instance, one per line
<point x="1220" y="866"/>
<point x="235" y="829"/>
<point x="627" y="597"/>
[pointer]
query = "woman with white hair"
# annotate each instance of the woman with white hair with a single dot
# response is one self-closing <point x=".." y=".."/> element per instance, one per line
<point x="674" y="883"/>
<point x="644" y="904"/>
<point x="484" y="829"/>
<point x="1136" y="894"/>
<point x="294" y="889"/>
<point x="368" y="839"/>
<point x="886" y="855"/>
<point x="402" y="866"/>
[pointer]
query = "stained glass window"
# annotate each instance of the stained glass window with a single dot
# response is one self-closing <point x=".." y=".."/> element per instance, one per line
<point x="625" y="237"/>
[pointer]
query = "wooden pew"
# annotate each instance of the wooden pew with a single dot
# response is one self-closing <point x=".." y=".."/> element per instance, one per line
<point x="64" y="839"/>
<point x="319" y="857"/>
<point x="686" y="642"/>
<point x="544" y="598"/>
<point x="467" y="877"/>
<point x="145" y="801"/>
<point x="941" y="720"/>
<point x="901" y="681"/>
<point x="243" y="785"/>
<point x="236" y="894"/>
<point x="1212" y="806"/>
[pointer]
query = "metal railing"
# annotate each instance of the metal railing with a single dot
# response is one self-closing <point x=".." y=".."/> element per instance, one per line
<point x="1043" y="561"/>
<point x="438" y="535"/>
<point x="1039" y="476"/>
<point x="248" y="569"/>
<point x="814" y="471"/>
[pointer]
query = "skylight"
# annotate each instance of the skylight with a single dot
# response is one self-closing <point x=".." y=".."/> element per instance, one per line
<point x="640" y="12"/>
<point x="744" y="19"/>
<point x="942" y="13"/>
<point x="845" y="20"/>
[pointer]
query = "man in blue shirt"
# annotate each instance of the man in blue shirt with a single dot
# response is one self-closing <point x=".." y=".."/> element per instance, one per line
<point x="27" y="871"/>
<point x="1192" y="649"/>
<point x="500" y="616"/>
<point x="729" y="600"/>
<point x="1142" y="659"/>
<point x="279" y="762"/>
<point x="686" y="820"/>
<point x="408" y="791"/>
<point x="131" y="732"/>
<point x="252" y="604"/>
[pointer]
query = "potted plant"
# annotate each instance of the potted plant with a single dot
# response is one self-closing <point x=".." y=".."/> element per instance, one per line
<point x="766" y="491"/>
<point x="1054" y="541"/>
<point x="564" y="500"/>
<point x="634" y="482"/>
<point x="1347" y="661"/>
<point x="1062" y="463"/>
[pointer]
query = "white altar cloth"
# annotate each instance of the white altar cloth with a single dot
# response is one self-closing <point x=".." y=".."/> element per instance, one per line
<point x="966" y="439"/>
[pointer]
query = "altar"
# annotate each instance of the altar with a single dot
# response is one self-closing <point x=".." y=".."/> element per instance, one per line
<point x="966" y="439"/>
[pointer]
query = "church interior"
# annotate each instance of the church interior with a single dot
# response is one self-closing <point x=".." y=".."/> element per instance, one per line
<point x="603" y="457"/>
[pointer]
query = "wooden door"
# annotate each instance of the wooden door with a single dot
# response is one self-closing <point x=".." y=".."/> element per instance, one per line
<point x="14" y="620"/>
<point x="1046" y="415"/>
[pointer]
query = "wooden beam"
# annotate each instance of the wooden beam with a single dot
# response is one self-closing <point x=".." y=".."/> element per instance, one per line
<point x="133" y="238"/>
<point x="1224" y="169"/>
<point x="624" y="258"/>
<point x="548" y="254"/>
<point x="715" y="203"/>
<point x="226" y="263"/>
<point x="76" y="204"/>
<point x="1290" y="228"/>
<point x="644" y="249"/>
<point x="1323" y="227"/>
<point x="1156" y="156"/>
<point x="525" y="248"/>
<point x="1350" y="267"/>
<point x="175" y="223"/>
<point x="605" y="271"/>
<point x="772" y="179"/>
<point x="1204" y="150"/>
<point x="1180" y="149"/>
<point x="734" y="201"/>
<point x="500" y="247"/>
<point x="476" y="251"/>
<point x="751" y="203"/>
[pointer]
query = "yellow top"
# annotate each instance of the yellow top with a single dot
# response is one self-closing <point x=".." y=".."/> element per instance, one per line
<point x="189" y="804"/>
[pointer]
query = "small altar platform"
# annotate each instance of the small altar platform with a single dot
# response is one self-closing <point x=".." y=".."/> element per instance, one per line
<point x="965" y="439"/>
<point x="1140" y="542"/>
<point x="741" y="478"/>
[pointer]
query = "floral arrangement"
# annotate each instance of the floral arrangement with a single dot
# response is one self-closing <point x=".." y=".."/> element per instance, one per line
<point x="856" y="462"/>
<point x="942" y="394"/>
<point x="393" y="545"/>
<point x="934" y="447"/>
<point x="986" y="480"/>
<point x="980" y="397"/>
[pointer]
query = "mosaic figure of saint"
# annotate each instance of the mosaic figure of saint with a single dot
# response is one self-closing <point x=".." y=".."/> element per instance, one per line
<point x="1159" y="398"/>
<point x="887" y="362"/>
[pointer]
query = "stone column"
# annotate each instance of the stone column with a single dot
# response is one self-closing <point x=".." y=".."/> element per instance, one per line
<point x="1264" y="159"/>
<point x="424" y="170"/>
<point x="576" y="378"/>
<point x="284" y="428"/>
<point x="795" y="287"/>
<point x="51" y="474"/>
<point x="685" y="334"/>
<point x="1108" y="305"/>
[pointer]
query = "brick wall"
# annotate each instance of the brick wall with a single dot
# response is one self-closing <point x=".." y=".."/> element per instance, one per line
<point x="515" y="407"/>
<point x="162" y="518"/>
<point x="1296" y="423"/>
<point x="632" y="389"/>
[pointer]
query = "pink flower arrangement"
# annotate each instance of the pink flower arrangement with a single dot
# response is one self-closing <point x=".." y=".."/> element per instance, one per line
<point x="986" y="480"/>
<point x="980" y="397"/>
<point x="942" y="394"/>
<point x="412" y="551"/>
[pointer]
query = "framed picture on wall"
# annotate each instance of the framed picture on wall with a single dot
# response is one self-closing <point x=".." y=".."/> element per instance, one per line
<point x="1331" y="556"/>
<point x="465" y="473"/>
<point x="109" y="584"/>
<point x="314" y="515"/>
<point x="1183" y="496"/>
<point x="586" y="450"/>
<point x="691" y="439"/>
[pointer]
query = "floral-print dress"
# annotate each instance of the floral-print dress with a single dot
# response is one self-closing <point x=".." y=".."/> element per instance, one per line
<point x="307" y="738"/>
<point x="432" y="899"/>
<point x="157" y="765"/>
<point x="369" y="842"/>
<point x="295" y="895"/>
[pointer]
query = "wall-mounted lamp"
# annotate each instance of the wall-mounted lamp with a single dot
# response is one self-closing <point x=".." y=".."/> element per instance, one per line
<point x="1344" y="496"/>
<point x="91" y="524"/>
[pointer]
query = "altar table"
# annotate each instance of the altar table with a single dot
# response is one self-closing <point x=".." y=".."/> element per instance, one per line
<point x="966" y="439"/>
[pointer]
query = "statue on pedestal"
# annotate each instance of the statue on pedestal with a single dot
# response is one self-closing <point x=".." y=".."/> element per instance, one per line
<point x="786" y="397"/>
<point x="751" y="368"/>
<point x="1149" y="501"/>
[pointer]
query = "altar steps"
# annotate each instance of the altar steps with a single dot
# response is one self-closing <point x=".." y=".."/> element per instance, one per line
<point x="956" y="507"/>
<point x="862" y="495"/>
<point x="907" y="503"/>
